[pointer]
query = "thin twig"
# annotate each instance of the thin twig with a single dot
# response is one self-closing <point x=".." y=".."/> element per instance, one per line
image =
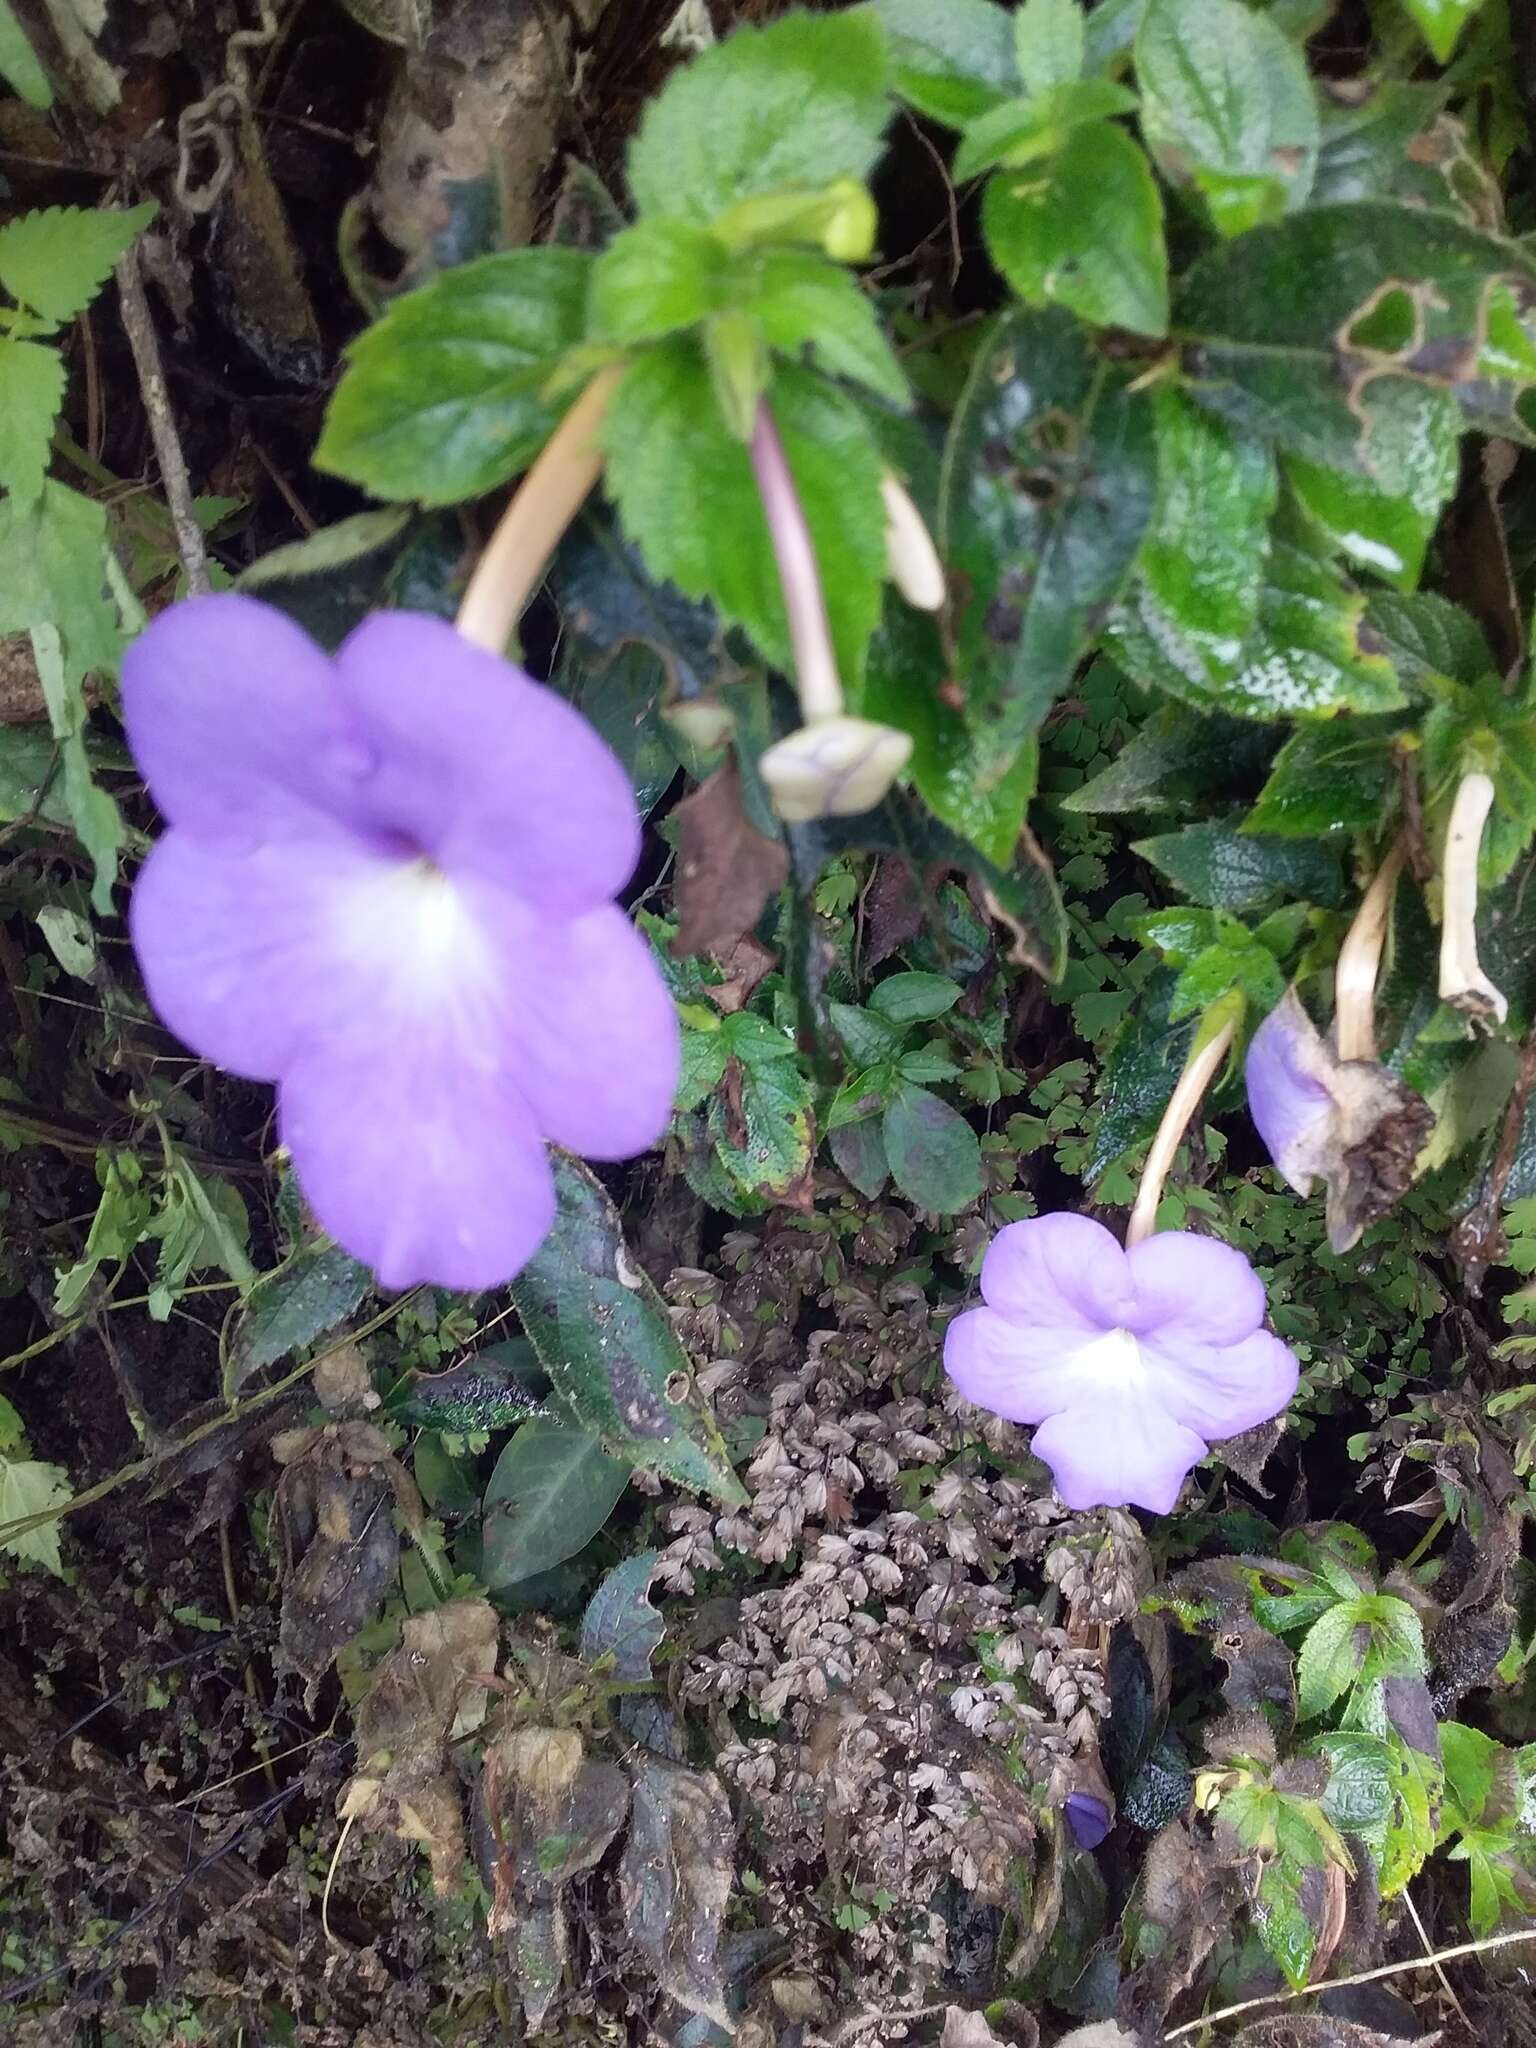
<point x="1429" y="1952"/>
<point x="140" y="326"/>
<point x="1430" y="1962"/>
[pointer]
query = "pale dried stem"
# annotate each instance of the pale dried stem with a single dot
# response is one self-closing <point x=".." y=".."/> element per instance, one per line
<point x="1197" y="1076"/>
<point x="1354" y="984"/>
<point x="531" y="528"/>
<point x="810" y="632"/>
<point x="1462" y="980"/>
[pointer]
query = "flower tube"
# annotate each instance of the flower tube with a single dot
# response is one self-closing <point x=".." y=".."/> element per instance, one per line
<point x="834" y="765"/>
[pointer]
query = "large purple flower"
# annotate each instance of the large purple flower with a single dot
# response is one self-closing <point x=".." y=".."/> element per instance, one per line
<point x="388" y="886"/>
<point x="1129" y="1363"/>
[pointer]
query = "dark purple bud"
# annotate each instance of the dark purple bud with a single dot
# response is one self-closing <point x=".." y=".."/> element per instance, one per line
<point x="1088" y="1818"/>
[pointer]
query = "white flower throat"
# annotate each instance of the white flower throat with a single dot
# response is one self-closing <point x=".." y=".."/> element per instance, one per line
<point x="1109" y="1365"/>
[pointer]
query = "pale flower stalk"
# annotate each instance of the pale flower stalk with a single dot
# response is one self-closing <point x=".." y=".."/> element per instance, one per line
<point x="834" y="765"/>
<point x="1201" y="1068"/>
<point x="1463" y="983"/>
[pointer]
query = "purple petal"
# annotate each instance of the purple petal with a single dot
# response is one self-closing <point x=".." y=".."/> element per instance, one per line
<point x="598" y="1042"/>
<point x="239" y="949"/>
<point x="231" y="712"/>
<point x="488" y="772"/>
<point x="1059" y="1272"/>
<point x="1019" y="1373"/>
<point x="1221" y="1391"/>
<point x="424" y="1165"/>
<point x="1194" y="1288"/>
<point x="1088" y="1818"/>
<point x="1289" y="1104"/>
<point x="1134" y="1455"/>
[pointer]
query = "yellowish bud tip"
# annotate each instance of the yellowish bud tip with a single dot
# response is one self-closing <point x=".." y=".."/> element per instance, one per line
<point x="849" y="235"/>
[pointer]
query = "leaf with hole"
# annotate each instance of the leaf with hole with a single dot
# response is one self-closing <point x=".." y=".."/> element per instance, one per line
<point x="602" y="1334"/>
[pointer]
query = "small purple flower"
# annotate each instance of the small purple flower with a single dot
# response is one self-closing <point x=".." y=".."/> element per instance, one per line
<point x="1088" y="1818"/>
<point x="1287" y="1098"/>
<point x="388" y="887"/>
<point x="1129" y="1363"/>
<point x="1349" y="1123"/>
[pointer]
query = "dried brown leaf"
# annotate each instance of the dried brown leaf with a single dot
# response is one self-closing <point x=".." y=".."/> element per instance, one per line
<point x="726" y="869"/>
<point x="675" y="1879"/>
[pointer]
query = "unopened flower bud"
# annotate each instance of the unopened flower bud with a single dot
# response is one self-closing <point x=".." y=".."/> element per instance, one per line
<point x="833" y="768"/>
<point x="910" y="553"/>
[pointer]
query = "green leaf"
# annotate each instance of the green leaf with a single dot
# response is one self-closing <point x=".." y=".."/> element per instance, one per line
<point x="1383" y="521"/>
<point x="198" y="1224"/>
<point x="1441" y="22"/>
<point x="1361" y="1772"/>
<point x="914" y="998"/>
<point x="1047" y="488"/>
<point x="1048" y="42"/>
<point x="1201" y="568"/>
<point x="797" y="104"/>
<point x="602" y="1334"/>
<point x="810" y="310"/>
<point x="334" y="547"/>
<point x="1226" y="98"/>
<point x="952" y="768"/>
<point x="1021" y="130"/>
<point x="1428" y="638"/>
<point x="952" y="60"/>
<point x="1139" y="1074"/>
<point x="657" y="277"/>
<point x="443" y="397"/>
<point x="1227" y="869"/>
<point x="1217" y="971"/>
<point x="1327" y="778"/>
<point x="620" y="1623"/>
<point x="1329" y="1660"/>
<point x="766" y="1139"/>
<point x="685" y="492"/>
<point x="55" y="261"/>
<point x="867" y="1039"/>
<point x="859" y="1150"/>
<point x="310" y="1293"/>
<point x="934" y="1155"/>
<point x="1296" y="330"/>
<point x="29" y="759"/>
<point x="1084" y="229"/>
<point x="1310" y="654"/>
<point x="28" y="1487"/>
<point x="97" y="821"/>
<point x="18" y="62"/>
<point x="32" y="378"/>
<point x="52" y="573"/>
<point x="1176" y="762"/>
<point x="1472" y="1762"/>
<point x="552" y="1490"/>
